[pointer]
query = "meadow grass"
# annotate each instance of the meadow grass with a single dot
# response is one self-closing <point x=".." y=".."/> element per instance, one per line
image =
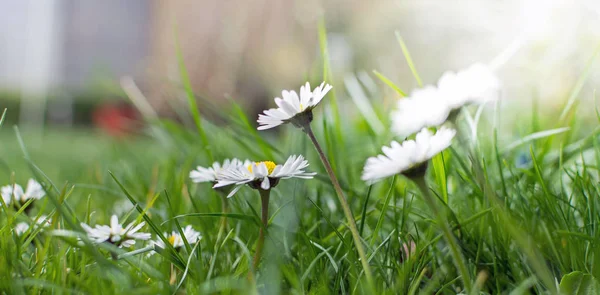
<point x="520" y="197"/>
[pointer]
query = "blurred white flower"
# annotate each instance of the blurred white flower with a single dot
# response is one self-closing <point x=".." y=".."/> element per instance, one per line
<point x="22" y="227"/>
<point x="430" y="106"/>
<point x="209" y="174"/>
<point x="175" y="239"/>
<point x="293" y="108"/>
<point x="263" y="175"/>
<point x="115" y="233"/>
<point x="401" y="157"/>
<point x="34" y="191"/>
<point x="424" y="107"/>
<point x="122" y="207"/>
<point x="476" y="84"/>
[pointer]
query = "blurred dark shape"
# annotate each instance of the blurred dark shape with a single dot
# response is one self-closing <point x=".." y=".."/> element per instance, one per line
<point x="119" y="120"/>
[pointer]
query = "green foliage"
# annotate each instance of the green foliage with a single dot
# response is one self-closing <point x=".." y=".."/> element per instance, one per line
<point x="521" y="200"/>
<point x="579" y="283"/>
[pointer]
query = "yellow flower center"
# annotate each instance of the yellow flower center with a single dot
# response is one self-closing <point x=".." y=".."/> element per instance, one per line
<point x="171" y="239"/>
<point x="301" y="107"/>
<point x="270" y="166"/>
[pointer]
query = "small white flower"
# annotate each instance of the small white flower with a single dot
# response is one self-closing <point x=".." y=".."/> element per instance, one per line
<point x="209" y="174"/>
<point x="292" y="107"/>
<point x="115" y="233"/>
<point x="424" y="107"/>
<point x="122" y="207"/>
<point x="22" y="227"/>
<point x="400" y="157"/>
<point x="476" y="84"/>
<point x="265" y="174"/>
<point x="175" y="239"/>
<point x="34" y="191"/>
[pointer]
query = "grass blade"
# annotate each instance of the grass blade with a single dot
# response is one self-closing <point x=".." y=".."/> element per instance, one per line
<point x="408" y="58"/>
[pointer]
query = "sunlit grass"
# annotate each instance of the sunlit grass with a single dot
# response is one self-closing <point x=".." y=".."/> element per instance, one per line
<point x="524" y="212"/>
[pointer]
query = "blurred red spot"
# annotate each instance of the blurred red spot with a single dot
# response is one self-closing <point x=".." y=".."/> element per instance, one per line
<point x="117" y="119"/>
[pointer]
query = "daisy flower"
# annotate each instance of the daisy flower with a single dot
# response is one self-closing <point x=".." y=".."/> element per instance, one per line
<point x="476" y="84"/>
<point x="398" y="158"/>
<point x="115" y="233"/>
<point x="424" y="107"/>
<point x="264" y="175"/>
<point x="34" y="190"/>
<point x="176" y="240"/>
<point x="209" y="174"/>
<point x="23" y="227"/>
<point x="293" y="108"/>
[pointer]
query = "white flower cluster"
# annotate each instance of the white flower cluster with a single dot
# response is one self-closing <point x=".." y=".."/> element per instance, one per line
<point x="14" y="192"/>
<point x="431" y="105"/>
<point x="23" y="227"/>
<point x="428" y="107"/>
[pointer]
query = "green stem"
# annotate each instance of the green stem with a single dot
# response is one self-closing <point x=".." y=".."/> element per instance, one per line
<point x="222" y="230"/>
<point x="459" y="259"/>
<point x="225" y="210"/>
<point x="264" y="199"/>
<point x="345" y="207"/>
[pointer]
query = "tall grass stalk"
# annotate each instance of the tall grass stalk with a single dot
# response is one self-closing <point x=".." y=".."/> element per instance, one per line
<point x="264" y="201"/>
<point x="440" y="216"/>
<point x="346" y="208"/>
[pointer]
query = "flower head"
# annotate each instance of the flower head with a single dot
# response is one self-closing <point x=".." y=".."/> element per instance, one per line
<point x="23" y="227"/>
<point x="34" y="190"/>
<point x="430" y="106"/>
<point x="476" y="84"/>
<point x="209" y="174"/>
<point x="264" y="175"/>
<point x="398" y="158"/>
<point x="175" y="239"/>
<point x="424" y="107"/>
<point x="115" y="233"/>
<point x="293" y="108"/>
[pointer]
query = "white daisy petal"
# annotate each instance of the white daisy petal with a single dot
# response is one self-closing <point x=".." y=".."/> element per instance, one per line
<point x="234" y="190"/>
<point x="476" y="84"/>
<point x="210" y="174"/>
<point x="265" y="185"/>
<point x="423" y="108"/>
<point x="34" y="190"/>
<point x="401" y="157"/>
<point x="13" y="192"/>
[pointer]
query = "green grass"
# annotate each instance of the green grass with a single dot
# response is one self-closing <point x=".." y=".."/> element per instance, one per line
<point x="525" y="213"/>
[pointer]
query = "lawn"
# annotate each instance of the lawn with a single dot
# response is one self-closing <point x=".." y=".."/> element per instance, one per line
<point x="515" y="207"/>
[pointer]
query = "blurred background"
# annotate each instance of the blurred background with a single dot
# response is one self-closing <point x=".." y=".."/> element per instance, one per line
<point x="61" y="60"/>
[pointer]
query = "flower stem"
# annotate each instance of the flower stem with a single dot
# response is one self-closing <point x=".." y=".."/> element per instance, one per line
<point x="457" y="256"/>
<point x="264" y="199"/>
<point x="340" y="194"/>
<point x="224" y="210"/>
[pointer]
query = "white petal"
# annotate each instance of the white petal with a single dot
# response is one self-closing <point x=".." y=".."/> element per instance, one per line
<point x="233" y="191"/>
<point x="34" y="190"/>
<point x="265" y="184"/>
